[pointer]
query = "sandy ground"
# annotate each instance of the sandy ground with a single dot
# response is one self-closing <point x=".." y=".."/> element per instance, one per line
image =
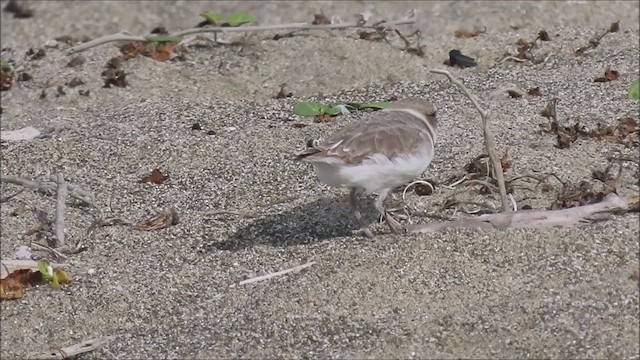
<point x="553" y="293"/>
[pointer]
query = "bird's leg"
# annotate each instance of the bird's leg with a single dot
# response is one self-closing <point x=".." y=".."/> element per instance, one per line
<point x="357" y="214"/>
<point x="394" y="225"/>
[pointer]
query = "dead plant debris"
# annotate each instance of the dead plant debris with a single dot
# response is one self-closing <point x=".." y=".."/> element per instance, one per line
<point x="160" y="221"/>
<point x="23" y="76"/>
<point x="534" y="92"/>
<point x="75" y="82"/>
<point x="19" y="10"/>
<point x="626" y="131"/>
<point x="595" y="41"/>
<point x="156" y="177"/>
<point x="468" y="34"/>
<point x="36" y="54"/>
<point x="6" y="78"/>
<point x="609" y="75"/>
<point x="114" y="74"/>
<point x="320" y="19"/>
<point x="77" y="61"/>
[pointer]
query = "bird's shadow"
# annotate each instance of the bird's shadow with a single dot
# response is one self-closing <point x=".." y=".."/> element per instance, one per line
<point x="323" y="219"/>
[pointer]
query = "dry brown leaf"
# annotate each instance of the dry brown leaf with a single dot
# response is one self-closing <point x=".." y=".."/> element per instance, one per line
<point x="534" y="92"/>
<point x="320" y="19"/>
<point x="298" y="125"/>
<point x="322" y="118"/>
<point x="131" y="49"/>
<point x="466" y="34"/>
<point x="6" y="78"/>
<point x="543" y="35"/>
<point x="615" y="27"/>
<point x="161" y="52"/>
<point x="156" y="177"/>
<point x="370" y="35"/>
<point x="609" y="75"/>
<point x="13" y="286"/>
<point x="159" y="221"/>
<point x="76" y="61"/>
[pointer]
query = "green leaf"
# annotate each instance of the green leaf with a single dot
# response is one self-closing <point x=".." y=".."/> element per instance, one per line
<point x="45" y="270"/>
<point x="237" y="19"/>
<point x="3" y="63"/>
<point x="213" y="18"/>
<point x="309" y="108"/>
<point x="163" y="39"/>
<point x="634" y="90"/>
<point x="376" y="105"/>
<point x="334" y="110"/>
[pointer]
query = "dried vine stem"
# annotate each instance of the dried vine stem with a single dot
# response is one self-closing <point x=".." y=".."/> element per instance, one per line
<point x="488" y="138"/>
<point x="126" y="36"/>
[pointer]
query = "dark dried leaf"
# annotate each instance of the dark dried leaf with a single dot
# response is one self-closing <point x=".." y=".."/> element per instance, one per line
<point x="43" y="94"/>
<point x="298" y="125"/>
<point x="159" y="221"/>
<point x="322" y="118"/>
<point x="60" y="91"/>
<point x="466" y="34"/>
<point x="370" y="35"/>
<point x="75" y="82"/>
<point x="76" y="61"/>
<point x="36" y="54"/>
<point x="83" y="92"/>
<point x="609" y="75"/>
<point x="156" y="177"/>
<point x="19" y="11"/>
<point x="534" y="92"/>
<point x="113" y="77"/>
<point x="23" y="76"/>
<point x="160" y="30"/>
<point x="320" y="19"/>
<point x="615" y="27"/>
<point x="196" y="126"/>
<point x="6" y="79"/>
<point x="543" y="35"/>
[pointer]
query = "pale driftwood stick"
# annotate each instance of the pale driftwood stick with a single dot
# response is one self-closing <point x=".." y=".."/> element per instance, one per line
<point x="536" y="219"/>
<point x="282" y="272"/>
<point x="488" y="138"/>
<point x="126" y="36"/>
<point x="75" y="191"/>
<point x="73" y="350"/>
<point x="61" y="199"/>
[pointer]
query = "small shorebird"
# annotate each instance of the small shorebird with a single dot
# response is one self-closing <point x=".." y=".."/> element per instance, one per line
<point x="386" y="149"/>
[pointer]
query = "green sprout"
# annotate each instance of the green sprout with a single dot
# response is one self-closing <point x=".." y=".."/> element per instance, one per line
<point x="634" y="90"/>
<point x="315" y="108"/>
<point x="163" y="39"/>
<point x="235" y="19"/>
<point x="3" y="63"/>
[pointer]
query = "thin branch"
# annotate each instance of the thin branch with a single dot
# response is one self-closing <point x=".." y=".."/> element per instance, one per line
<point x="73" y="350"/>
<point x="61" y="199"/>
<point x="488" y="138"/>
<point x="279" y="273"/>
<point x="75" y="191"/>
<point x="126" y="36"/>
<point x="9" y="197"/>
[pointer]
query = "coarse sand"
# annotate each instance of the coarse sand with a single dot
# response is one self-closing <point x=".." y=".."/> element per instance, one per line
<point x="246" y="210"/>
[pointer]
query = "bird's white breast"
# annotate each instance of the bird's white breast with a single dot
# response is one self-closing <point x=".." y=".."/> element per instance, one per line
<point x="376" y="172"/>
